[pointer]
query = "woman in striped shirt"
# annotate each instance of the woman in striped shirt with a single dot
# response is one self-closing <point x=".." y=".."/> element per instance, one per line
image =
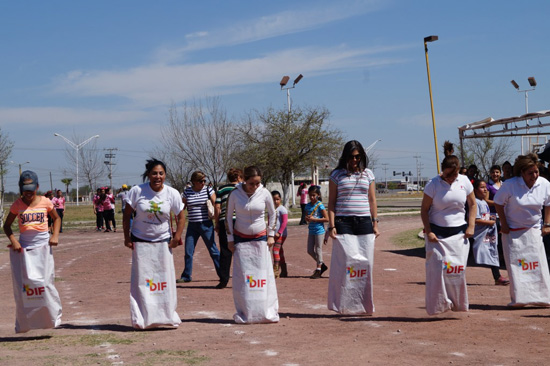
<point x="352" y="202"/>
<point x="199" y="225"/>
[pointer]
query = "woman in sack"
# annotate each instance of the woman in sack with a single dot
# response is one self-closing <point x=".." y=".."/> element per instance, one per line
<point x="519" y="203"/>
<point x="200" y="223"/>
<point x="153" y="298"/>
<point x="446" y="233"/>
<point x="254" y="290"/>
<point x="37" y="301"/>
<point x="353" y="224"/>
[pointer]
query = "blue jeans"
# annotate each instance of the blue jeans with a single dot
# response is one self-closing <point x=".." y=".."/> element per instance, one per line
<point x="205" y="230"/>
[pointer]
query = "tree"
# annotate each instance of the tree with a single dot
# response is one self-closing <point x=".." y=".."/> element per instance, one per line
<point x="198" y="136"/>
<point x="485" y="152"/>
<point x="281" y="143"/>
<point x="67" y="183"/>
<point x="6" y="146"/>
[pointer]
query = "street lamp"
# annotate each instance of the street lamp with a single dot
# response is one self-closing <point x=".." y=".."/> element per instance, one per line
<point x="426" y="40"/>
<point x="284" y="81"/>
<point x="533" y="84"/>
<point x="77" y="148"/>
<point x="20" y="165"/>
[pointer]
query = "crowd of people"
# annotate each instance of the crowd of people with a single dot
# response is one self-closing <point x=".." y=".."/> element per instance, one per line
<point x="463" y="216"/>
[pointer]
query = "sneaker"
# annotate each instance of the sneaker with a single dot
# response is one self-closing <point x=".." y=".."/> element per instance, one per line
<point x="502" y="281"/>
<point x="220" y="285"/>
<point x="183" y="280"/>
<point x="316" y="274"/>
<point x="323" y="268"/>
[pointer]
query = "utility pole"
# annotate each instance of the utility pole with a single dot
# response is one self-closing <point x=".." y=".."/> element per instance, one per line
<point x="385" y="167"/>
<point x="110" y="163"/>
<point x="418" y="172"/>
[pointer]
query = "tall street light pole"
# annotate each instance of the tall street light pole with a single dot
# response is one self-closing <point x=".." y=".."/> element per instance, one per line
<point x="20" y="165"/>
<point x="426" y="40"/>
<point x="533" y="84"/>
<point x="283" y="82"/>
<point x="76" y="147"/>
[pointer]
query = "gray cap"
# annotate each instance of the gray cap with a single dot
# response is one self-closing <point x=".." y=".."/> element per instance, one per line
<point x="28" y="181"/>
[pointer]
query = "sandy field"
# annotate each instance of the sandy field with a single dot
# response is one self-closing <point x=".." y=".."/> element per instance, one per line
<point x="93" y="279"/>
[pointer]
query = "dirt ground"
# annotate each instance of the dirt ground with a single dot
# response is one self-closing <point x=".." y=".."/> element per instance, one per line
<point x="93" y="279"/>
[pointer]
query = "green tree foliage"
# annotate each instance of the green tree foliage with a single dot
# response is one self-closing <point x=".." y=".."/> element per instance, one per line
<point x="67" y="183"/>
<point x="281" y="143"/>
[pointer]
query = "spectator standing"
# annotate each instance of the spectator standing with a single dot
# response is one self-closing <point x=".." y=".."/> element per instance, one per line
<point x="59" y="204"/>
<point x="234" y="177"/>
<point x="302" y="193"/>
<point x="200" y="225"/>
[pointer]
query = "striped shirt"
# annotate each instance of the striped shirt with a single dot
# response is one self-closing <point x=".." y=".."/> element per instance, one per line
<point x="352" y="195"/>
<point x="221" y="198"/>
<point x="196" y="203"/>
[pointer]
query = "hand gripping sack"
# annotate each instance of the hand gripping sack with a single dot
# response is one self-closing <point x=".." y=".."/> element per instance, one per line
<point x="37" y="301"/>
<point x="153" y="297"/>
<point x="527" y="267"/>
<point x="254" y="289"/>
<point x="350" y="282"/>
<point x="446" y="274"/>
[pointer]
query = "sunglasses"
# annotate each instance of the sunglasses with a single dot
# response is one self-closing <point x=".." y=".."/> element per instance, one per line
<point x="356" y="157"/>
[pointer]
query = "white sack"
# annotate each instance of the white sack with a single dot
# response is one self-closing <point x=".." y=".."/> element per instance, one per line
<point x="527" y="267"/>
<point x="153" y="297"/>
<point x="485" y="246"/>
<point x="37" y="301"/>
<point x="350" y="282"/>
<point x="446" y="274"/>
<point x="254" y="289"/>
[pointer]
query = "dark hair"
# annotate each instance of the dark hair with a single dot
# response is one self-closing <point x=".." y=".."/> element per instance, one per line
<point x="477" y="182"/>
<point x="197" y="176"/>
<point x="524" y="162"/>
<point x="495" y="167"/>
<point x="507" y="163"/>
<point x="314" y="189"/>
<point x="150" y="165"/>
<point x="450" y="161"/>
<point x="275" y="193"/>
<point x="252" y="171"/>
<point x="234" y="174"/>
<point x="349" y="147"/>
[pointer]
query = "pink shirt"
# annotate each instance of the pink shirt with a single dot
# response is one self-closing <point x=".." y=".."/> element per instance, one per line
<point x="59" y="203"/>
<point x="33" y="222"/>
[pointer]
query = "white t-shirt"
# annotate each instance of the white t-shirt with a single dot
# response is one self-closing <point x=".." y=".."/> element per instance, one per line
<point x="152" y="221"/>
<point x="523" y="205"/>
<point x="449" y="200"/>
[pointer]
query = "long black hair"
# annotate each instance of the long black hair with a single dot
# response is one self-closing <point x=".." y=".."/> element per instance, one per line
<point x="349" y="147"/>
<point x="149" y="165"/>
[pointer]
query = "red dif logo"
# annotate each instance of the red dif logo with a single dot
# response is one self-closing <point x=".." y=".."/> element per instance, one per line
<point x="159" y="286"/>
<point x="356" y="273"/>
<point x="255" y="283"/>
<point x="526" y="266"/>
<point x="38" y="291"/>
<point x="448" y="266"/>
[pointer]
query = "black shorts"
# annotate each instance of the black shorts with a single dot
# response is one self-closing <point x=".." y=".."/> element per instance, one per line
<point x="355" y="225"/>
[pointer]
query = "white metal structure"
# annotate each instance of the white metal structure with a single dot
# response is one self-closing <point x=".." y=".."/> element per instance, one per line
<point x="76" y="147"/>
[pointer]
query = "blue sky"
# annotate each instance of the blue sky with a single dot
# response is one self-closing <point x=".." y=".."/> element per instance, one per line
<point x="114" y="68"/>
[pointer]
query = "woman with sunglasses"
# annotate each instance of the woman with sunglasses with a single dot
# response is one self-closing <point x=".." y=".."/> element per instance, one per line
<point x="199" y="224"/>
<point x="446" y="232"/>
<point x="353" y="224"/>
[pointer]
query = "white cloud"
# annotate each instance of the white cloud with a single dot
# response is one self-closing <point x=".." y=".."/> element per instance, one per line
<point x="158" y="84"/>
<point x="60" y="116"/>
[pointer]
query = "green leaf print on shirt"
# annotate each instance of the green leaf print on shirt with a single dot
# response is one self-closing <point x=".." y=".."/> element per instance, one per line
<point x="155" y="209"/>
